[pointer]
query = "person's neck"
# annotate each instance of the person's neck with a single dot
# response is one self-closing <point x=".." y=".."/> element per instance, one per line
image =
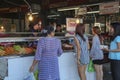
<point x="49" y="36"/>
<point x="95" y="34"/>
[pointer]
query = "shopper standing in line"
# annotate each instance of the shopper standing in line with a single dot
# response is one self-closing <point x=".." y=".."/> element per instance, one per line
<point x="48" y="50"/>
<point x="82" y="50"/>
<point x="114" y="51"/>
<point x="96" y="53"/>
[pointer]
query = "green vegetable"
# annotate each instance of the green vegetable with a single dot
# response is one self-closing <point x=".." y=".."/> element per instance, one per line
<point x="1" y="47"/>
<point x="17" y="47"/>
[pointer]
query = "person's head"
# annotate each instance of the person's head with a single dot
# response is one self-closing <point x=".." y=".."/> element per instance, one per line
<point x="49" y="31"/>
<point x="96" y="30"/>
<point x="115" y="29"/>
<point x="80" y="30"/>
<point x="58" y="28"/>
<point x="35" y="25"/>
<point x="52" y="23"/>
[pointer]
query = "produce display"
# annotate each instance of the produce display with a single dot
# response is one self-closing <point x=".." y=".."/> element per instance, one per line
<point x="27" y="46"/>
<point x="16" y="50"/>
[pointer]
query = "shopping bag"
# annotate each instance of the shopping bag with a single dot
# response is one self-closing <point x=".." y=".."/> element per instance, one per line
<point x="91" y="67"/>
<point x="29" y="76"/>
<point x="36" y="75"/>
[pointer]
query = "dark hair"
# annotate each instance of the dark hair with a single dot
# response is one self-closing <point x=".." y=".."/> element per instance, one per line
<point x="80" y="30"/>
<point x="47" y="30"/>
<point x="96" y="30"/>
<point x="58" y="25"/>
<point x="116" y="27"/>
<point x="33" y="23"/>
<point x="51" y="23"/>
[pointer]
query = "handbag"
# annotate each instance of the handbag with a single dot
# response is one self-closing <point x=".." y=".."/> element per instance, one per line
<point x="91" y="67"/>
<point x="36" y="75"/>
<point x="29" y="76"/>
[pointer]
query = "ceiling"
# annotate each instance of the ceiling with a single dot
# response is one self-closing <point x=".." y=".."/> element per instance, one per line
<point x="7" y="7"/>
<point x="10" y="8"/>
<point x="16" y="3"/>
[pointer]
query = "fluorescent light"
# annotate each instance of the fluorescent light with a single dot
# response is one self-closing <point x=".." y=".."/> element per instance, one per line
<point x="66" y="9"/>
<point x="33" y="13"/>
<point x="91" y="12"/>
<point x="49" y="16"/>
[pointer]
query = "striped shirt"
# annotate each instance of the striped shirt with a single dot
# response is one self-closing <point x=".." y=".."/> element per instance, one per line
<point x="48" y="50"/>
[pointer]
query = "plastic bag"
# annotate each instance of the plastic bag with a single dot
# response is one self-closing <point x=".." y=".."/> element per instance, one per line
<point x="91" y="67"/>
<point x="30" y="76"/>
<point x="36" y="75"/>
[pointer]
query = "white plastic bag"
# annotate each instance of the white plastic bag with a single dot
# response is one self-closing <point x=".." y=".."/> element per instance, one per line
<point x="30" y="76"/>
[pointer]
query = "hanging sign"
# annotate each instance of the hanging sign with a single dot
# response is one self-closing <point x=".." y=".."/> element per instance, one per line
<point x="81" y="11"/>
<point x="109" y="8"/>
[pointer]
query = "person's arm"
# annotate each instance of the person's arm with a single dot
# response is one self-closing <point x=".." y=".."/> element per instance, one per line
<point x="88" y="44"/>
<point x="78" y="49"/>
<point x="37" y="55"/>
<point x="33" y="65"/>
<point x="117" y="41"/>
<point x="116" y="50"/>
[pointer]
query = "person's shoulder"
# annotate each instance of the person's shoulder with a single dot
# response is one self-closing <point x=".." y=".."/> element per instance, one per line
<point x="57" y="39"/>
<point x="77" y="36"/>
<point x="118" y="37"/>
<point x="85" y="36"/>
<point x="96" y="37"/>
<point x="41" y="39"/>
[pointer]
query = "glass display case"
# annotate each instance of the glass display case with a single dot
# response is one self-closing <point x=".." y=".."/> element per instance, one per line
<point x="21" y="46"/>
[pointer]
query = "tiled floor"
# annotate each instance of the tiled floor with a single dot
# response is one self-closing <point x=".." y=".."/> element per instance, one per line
<point x="106" y="70"/>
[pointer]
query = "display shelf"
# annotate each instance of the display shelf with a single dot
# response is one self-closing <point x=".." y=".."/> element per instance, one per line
<point x="26" y="46"/>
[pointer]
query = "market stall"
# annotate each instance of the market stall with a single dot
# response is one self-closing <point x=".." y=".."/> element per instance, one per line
<point x="15" y="64"/>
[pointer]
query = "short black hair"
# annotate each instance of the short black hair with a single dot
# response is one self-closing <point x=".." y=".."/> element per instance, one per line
<point x="47" y="30"/>
<point x="58" y="25"/>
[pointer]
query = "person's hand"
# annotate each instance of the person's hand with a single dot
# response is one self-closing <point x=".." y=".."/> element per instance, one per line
<point x="105" y="49"/>
<point x="31" y="69"/>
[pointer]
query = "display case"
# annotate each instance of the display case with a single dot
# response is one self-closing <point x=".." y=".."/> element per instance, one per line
<point x="24" y="48"/>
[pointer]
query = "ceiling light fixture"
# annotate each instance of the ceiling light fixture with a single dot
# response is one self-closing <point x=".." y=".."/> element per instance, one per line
<point x="30" y="17"/>
<point x="66" y="9"/>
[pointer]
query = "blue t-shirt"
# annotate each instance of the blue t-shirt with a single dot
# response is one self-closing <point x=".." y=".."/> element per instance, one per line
<point x="113" y="46"/>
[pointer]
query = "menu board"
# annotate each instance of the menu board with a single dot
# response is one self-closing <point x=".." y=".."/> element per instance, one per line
<point x="109" y="8"/>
